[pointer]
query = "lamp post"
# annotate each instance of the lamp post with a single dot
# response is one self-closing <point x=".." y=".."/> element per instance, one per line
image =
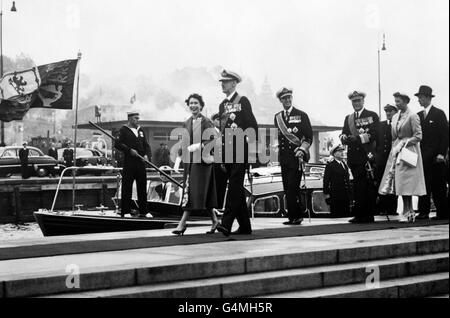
<point x="13" y="9"/>
<point x="383" y="48"/>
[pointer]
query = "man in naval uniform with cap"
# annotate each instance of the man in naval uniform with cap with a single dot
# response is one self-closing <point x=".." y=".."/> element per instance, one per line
<point x="295" y="136"/>
<point x="235" y="112"/>
<point x="132" y="142"/>
<point x="360" y="134"/>
<point x="387" y="204"/>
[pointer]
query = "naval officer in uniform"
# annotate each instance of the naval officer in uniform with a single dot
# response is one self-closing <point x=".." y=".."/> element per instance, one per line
<point x="360" y="134"/>
<point x="132" y="142"/>
<point x="235" y="113"/>
<point x="295" y="136"/>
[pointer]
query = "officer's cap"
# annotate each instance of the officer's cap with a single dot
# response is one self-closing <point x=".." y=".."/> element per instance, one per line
<point x="336" y="148"/>
<point x="229" y="76"/>
<point x="389" y="107"/>
<point x="132" y="113"/>
<point x="356" y="95"/>
<point x="284" y="92"/>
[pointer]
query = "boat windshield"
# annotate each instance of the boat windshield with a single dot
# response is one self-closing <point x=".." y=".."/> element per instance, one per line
<point x="166" y="192"/>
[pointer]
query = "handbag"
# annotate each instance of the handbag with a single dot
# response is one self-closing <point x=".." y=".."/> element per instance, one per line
<point x="408" y="157"/>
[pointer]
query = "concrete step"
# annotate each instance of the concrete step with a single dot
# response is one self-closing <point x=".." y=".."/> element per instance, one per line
<point x="404" y="287"/>
<point x="46" y="276"/>
<point x="256" y="284"/>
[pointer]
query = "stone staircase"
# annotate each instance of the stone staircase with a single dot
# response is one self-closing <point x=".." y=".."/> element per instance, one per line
<point x="418" y="268"/>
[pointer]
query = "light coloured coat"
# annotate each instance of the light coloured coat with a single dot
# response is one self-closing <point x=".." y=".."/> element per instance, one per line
<point x="408" y="180"/>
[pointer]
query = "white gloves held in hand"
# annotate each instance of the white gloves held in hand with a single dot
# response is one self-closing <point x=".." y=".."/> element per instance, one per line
<point x="194" y="147"/>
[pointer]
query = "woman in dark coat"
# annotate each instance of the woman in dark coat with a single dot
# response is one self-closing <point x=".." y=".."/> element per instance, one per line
<point x="199" y="191"/>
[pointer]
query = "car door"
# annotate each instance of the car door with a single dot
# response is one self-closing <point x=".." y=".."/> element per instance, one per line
<point x="9" y="162"/>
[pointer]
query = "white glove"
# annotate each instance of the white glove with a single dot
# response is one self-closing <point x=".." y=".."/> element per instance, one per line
<point x="365" y="138"/>
<point x="194" y="147"/>
<point x="176" y="165"/>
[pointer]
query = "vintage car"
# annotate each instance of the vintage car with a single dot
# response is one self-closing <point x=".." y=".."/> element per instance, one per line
<point x="85" y="157"/>
<point x="39" y="164"/>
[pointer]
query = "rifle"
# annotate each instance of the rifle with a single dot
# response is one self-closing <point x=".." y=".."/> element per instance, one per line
<point x="139" y="156"/>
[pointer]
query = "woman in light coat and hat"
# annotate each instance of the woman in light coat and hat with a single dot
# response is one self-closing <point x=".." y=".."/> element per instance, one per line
<point x="401" y="178"/>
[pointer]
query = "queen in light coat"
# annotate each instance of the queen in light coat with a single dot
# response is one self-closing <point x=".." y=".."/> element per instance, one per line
<point x="400" y="178"/>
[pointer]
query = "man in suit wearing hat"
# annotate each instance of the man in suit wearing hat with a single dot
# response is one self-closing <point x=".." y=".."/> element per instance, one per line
<point x="23" y="156"/>
<point x="235" y="114"/>
<point x="336" y="183"/>
<point x="434" y="147"/>
<point x="295" y="136"/>
<point x="132" y="142"/>
<point x="387" y="204"/>
<point x="360" y="134"/>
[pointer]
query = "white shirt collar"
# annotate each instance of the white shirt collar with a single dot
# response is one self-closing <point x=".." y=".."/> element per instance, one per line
<point x="289" y="110"/>
<point x="230" y="97"/>
<point x="134" y="130"/>
<point x="427" y="109"/>
<point x="359" y="113"/>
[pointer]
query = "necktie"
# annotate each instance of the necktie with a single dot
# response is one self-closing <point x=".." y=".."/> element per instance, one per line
<point x="356" y="115"/>
<point x="286" y="114"/>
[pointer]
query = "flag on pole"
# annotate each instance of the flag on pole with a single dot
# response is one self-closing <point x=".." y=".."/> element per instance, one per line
<point x="58" y="87"/>
<point x="133" y="99"/>
<point x="46" y="86"/>
<point x="18" y="91"/>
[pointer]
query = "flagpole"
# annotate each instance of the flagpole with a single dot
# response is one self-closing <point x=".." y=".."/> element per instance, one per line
<point x="75" y="133"/>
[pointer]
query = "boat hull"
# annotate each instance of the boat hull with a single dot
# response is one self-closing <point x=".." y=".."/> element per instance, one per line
<point x="53" y="224"/>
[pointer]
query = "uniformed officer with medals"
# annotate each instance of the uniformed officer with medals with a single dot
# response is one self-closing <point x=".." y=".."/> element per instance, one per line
<point x="132" y="142"/>
<point x="360" y="134"/>
<point x="295" y="136"/>
<point x="235" y="112"/>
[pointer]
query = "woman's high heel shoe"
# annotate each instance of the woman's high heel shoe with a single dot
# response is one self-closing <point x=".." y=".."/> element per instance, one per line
<point x="213" y="228"/>
<point x="180" y="232"/>
<point x="412" y="217"/>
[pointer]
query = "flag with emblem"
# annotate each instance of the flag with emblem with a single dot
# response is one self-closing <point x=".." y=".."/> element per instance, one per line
<point x="18" y="91"/>
<point x="46" y="86"/>
<point x="59" y="85"/>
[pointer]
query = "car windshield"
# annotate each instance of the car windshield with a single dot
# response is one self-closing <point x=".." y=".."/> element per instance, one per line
<point x="81" y="152"/>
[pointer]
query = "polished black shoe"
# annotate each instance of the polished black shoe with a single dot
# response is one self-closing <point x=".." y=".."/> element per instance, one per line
<point x="241" y="232"/>
<point x="288" y="222"/>
<point x="213" y="228"/>
<point x="422" y="216"/>
<point x="297" y="221"/>
<point x="360" y="220"/>
<point x="223" y="230"/>
<point x="354" y="220"/>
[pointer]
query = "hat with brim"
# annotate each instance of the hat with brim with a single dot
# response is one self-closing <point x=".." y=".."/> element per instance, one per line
<point x="166" y="169"/>
<point x="425" y="90"/>
<point x="356" y="95"/>
<point x="390" y="107"/>
<point x="285" y="91"/>
<point x="133" y="113"/>
<point x="229" y="76"/>
<point x="403" y="96"/>
<point x="24" y="143"/>
<point x="335" y="148"/>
